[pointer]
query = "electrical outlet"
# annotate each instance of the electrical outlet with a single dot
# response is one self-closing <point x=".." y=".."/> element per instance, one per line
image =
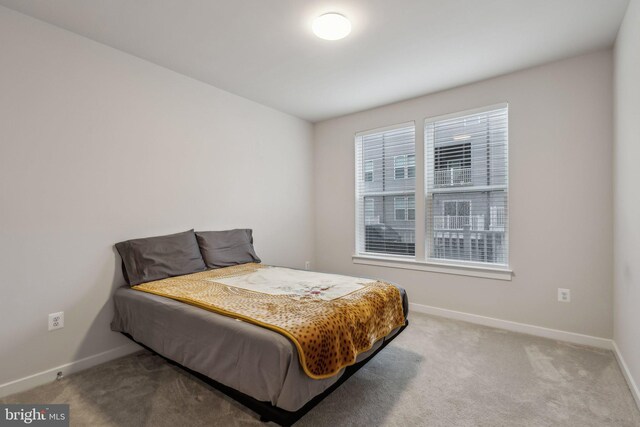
<point x="307" y="265"/>
<point x="56" y="320"/>
<point x="564" y="295"/>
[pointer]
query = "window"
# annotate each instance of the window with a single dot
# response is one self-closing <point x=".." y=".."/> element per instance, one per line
<point x="452" y="165"/>
<point x="399" y="167"/>
<point x="368" y="171"/>
<point x="411" y="208"/>
<point x="369" y="211"/>
<point x="411" y="166"/>
<point x="466" y="184"/>
<point x="404" y="166"/>
<point x="400" y="208"/>
<point x="466" y="191"/>
<point x="385" y="206"/>
<point x="404" y="208"/>
<point x="457" y="208"/>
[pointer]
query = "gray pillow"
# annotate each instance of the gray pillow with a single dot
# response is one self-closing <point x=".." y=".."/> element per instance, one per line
<point x="226" y="248"/>
<point x="155" y="258"/>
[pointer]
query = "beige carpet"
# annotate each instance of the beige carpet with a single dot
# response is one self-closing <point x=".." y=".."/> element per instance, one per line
<point x="437" y="373"/>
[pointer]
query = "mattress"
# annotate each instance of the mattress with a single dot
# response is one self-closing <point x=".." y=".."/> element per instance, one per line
<point x="251" y="359"/>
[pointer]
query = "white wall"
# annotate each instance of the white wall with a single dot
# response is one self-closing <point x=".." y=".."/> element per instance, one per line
<point x="560" y="196"/>
<point x="97" y="146"/>
<point x="626" y="194"/>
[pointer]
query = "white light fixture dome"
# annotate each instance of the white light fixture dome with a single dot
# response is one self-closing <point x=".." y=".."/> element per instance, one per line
<point x="331" y="26"/>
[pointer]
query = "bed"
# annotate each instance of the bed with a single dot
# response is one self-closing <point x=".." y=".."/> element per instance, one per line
<point x="261" y="366"/>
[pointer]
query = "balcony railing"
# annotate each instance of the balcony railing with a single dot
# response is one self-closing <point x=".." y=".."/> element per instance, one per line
<point x="470" y="222"/>
<point x="452" y="176"/>
<point x="477" y="246"/>
<point x="469" y="238"/>
<point x="447" y="222"/>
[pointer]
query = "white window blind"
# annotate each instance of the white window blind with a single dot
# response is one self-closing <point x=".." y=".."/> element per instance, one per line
<point x="466" y="183"/>
<point x="385" y="191"/>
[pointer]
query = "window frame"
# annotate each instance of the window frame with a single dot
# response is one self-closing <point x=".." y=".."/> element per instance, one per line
<point x="360" y="250"/>
<point x="429" y="232"/>
<point x="421" y="260"/>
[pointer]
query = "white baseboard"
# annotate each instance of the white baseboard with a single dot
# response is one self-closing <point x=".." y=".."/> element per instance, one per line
<point x="49" y="375"/>
<point x="524" y="328"/>
<point x="627" y="374"/>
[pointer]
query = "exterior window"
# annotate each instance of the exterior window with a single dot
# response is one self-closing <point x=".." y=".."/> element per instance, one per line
<point x="368" y="171"/>
<point x="369" y="210"/>
<point x="404" y="208"/>
<point x="411" y="208"/>
<point x="452" y="165"/>
<point x="400" y="208"/>
<point x="399" y="167"/>
<point x="456" y="215"/>
<point x="404" y="166"/>
<point x="385" y="203"/>
<point x="466" y="183"/>
<point x="411" y="166"/>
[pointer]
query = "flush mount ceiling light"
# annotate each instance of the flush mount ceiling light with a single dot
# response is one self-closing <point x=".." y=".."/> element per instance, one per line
<point x="331" y="26"/>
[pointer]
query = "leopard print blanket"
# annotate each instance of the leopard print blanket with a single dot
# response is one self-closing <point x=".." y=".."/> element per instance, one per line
<point x="329" y="330"/>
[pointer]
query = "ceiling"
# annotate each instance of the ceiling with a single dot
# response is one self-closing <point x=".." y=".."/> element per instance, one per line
<point x="265" y="50"/>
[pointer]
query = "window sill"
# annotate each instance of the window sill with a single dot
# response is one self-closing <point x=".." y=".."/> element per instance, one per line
<point x="434" y="267"/>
